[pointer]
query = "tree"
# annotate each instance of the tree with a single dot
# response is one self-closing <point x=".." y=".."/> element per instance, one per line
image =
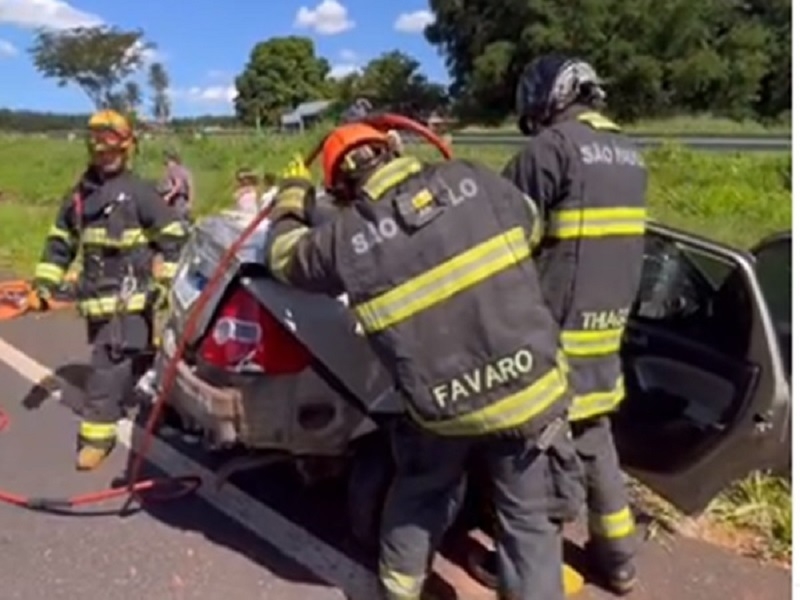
<point x="391" y="82"/>
<point x="280" y="74"/>
<point x="158" y="80"/>
<point x="657" y="56"/>
<point x="96" y="59"/>
<point x="132" y="96"/>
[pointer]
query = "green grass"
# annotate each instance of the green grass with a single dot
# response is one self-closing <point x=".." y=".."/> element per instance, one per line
<point x="736" y="198"/>
<point x="686" y="125"/>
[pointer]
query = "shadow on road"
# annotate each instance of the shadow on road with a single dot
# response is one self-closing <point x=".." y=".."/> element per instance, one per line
<point x="319" y="509"/>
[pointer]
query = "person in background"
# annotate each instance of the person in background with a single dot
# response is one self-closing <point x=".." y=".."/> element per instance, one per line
<point x="179" y="185"/>
<point x="114" y="222"/>
<point x="246" y="193"/>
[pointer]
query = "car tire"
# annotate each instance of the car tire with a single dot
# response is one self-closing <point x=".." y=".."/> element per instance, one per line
<point x="368" y="482"/>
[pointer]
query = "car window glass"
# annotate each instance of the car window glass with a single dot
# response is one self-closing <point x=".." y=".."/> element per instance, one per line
<point x="774" y="272"/>
<point x="676" y="280"/>
<point x="696" y="294"/>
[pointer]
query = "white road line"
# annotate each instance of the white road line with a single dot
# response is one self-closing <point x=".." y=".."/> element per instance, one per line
<point x="335" y="568"/>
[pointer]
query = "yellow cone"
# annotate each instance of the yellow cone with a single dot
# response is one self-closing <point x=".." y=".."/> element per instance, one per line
<point x="573" y="581"/>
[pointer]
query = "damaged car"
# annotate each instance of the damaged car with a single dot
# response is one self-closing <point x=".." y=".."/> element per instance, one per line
<point x="272" y="373"/>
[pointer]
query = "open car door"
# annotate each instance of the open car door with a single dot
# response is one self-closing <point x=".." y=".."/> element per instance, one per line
<point x="708" y="398"/>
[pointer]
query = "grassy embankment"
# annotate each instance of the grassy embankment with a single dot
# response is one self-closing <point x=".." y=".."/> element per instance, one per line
<point x="735" y="198"/>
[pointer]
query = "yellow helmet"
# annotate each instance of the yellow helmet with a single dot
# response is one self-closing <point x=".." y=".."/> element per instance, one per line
<point x="109" y="131"/>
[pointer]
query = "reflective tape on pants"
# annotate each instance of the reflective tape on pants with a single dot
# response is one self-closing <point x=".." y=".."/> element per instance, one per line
<point x="613" y="525"/>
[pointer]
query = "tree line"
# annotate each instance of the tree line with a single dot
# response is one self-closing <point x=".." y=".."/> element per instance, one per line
<point x="657" y="58"/>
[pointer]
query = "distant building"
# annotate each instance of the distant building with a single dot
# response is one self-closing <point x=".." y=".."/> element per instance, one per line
<point x="304" y="115"/>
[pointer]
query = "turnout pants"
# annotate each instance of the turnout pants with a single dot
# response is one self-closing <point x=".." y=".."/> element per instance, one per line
<point x="612" y="528"/>
<point x="118" y="345"/>
<point x="533" y="491"/>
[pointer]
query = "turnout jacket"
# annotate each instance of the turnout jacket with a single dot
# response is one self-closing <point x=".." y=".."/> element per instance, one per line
<point x="117" y="224"/>
<point x="589" y="182"/>
<point x="436" y="261"/>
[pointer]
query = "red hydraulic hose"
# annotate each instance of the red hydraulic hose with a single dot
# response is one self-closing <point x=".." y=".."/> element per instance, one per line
<point x="186" y="484"/>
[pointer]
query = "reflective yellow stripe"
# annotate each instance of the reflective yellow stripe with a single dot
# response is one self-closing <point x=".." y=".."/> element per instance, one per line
<point x="112" y="304"/>
<point x="282" y="251"/>
<point x="512" y="411"/>
<point x="614" y="525"/>
<point x="175" y="229"/>
<point x="598" y="121"/>
<point x="97" y="431"/>
<point x="400" y="585"/>
<point x="444" y="281"/>
<point x="49" y="272"/>
<point x="596" y="222"/>
<point x="98" y="236"/>
<point x="61" y="234"/>
<point x="585" y="406"/>
<point x="390" y="175"/>
<point x="586" y="342"/>
<point x="167" y="270"/>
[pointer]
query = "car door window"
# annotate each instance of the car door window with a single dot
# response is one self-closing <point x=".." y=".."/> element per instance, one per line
<point x="693" y="294"/>
<point x="774" y="273"/>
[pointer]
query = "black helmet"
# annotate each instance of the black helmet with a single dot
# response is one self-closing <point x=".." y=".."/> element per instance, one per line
<point x="552" y="83"/>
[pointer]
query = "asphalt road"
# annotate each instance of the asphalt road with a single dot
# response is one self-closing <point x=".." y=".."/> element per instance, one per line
<point x="262" y="537"/>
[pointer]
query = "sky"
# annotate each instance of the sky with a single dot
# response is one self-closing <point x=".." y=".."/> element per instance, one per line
<point x="204" y="44"/>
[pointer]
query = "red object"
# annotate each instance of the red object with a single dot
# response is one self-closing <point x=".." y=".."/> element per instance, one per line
<point x="342" y="140"/>
<point x="245" y="334"/>
<point x="181" y="486"/>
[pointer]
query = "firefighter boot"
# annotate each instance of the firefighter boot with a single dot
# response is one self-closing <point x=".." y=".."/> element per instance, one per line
<point x="95" y="443"/>
<point x="482" y="565"/>
<point x="618" y="574"/>
<point x="621" y="578"/>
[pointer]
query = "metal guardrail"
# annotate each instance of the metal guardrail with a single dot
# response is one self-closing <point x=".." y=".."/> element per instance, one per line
<point x="710" y="142"/>
<point x="762" y="142"/>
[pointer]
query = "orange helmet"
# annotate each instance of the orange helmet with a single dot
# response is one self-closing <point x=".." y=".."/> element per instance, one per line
<point x="342" y="141"/>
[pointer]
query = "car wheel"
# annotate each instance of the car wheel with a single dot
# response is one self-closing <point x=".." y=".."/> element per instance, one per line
<point x="368" y="481"/>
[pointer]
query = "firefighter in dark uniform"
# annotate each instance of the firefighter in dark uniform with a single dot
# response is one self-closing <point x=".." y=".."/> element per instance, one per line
<point x="589" y="182"/>
<point x="116" y="221"/>
<point x="436" y="262"/>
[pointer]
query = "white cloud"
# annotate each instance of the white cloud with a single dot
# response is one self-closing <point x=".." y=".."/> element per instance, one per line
<point x="349" y="62"/>
<point x="214" y="94"/>
<point x="7" y="49"/>
<point x="414" y="22"/>
<point x="49" y="14"/>
<point x="343" y="70"/>
<point x="218" y="74"/>
<point x="328" y="18"/>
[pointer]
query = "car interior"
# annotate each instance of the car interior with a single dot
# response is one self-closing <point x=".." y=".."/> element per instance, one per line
<point x="685" y="356"/>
